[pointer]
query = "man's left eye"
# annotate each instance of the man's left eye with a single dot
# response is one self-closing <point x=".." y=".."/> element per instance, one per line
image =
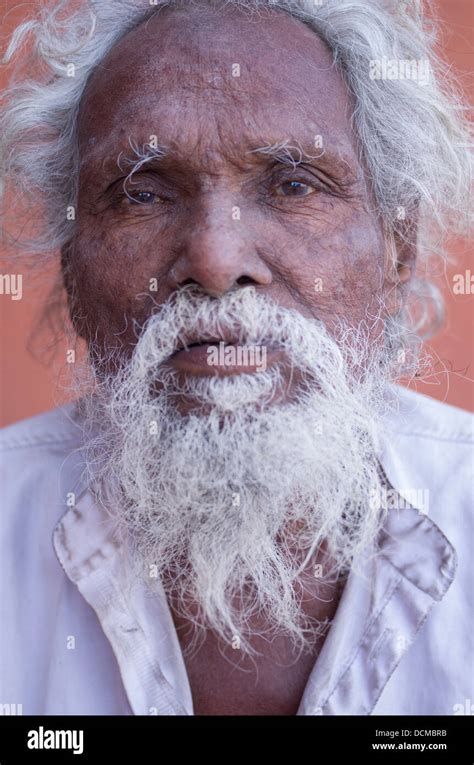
<point x="295" y="189"/>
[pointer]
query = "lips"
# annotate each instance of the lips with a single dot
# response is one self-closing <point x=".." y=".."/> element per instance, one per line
<point x="222" y="356"/>
<point x="186" y="345"/>
<point x="194" y="342"/>
<point x="193" y="358"/>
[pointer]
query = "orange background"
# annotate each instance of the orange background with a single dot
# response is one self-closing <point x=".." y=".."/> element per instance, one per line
<point x="29" y="385"/>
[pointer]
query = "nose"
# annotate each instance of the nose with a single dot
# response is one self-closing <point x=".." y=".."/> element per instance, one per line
<point x="217" y="252"/>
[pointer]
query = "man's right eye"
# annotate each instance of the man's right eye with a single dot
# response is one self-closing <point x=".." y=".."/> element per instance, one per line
<point x="141" y="197"/>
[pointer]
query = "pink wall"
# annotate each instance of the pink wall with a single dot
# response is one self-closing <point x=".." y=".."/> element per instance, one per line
<point x="28" y="386"/>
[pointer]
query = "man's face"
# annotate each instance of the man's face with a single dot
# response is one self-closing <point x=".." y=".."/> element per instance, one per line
<point x="212" y="212"/>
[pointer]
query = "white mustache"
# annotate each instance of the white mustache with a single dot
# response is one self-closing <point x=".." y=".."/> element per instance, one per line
<point x="244" y="318"/>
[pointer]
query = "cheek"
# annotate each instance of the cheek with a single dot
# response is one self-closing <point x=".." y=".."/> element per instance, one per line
<point x="109" y="274"/>
<point x="336" y="272"/>
<point x="362" y="269"/>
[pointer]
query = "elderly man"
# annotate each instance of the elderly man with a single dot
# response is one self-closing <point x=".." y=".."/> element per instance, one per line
<point x="242" y="513"/>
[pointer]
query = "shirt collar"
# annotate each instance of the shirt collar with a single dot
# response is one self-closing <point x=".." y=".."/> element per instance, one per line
<point x="383" y="606"/>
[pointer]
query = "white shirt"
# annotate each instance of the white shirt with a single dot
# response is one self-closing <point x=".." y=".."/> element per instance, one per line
<point x="77" y="638"/>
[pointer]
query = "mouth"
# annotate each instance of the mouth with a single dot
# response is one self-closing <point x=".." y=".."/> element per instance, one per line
<point x="187" y="344"/>
<point x="221" y="356"/>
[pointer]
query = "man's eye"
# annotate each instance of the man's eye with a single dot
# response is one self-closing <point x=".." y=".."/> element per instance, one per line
<point x="141" y="197"/>
<point x="295" y="189"/>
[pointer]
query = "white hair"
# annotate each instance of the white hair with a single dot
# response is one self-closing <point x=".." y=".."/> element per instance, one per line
<point x="414" y="137"/>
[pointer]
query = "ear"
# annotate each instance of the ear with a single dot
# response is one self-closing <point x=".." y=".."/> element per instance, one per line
<point x="400" y="264"/>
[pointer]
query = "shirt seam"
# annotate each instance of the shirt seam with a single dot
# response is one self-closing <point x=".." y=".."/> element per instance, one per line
<point x="4" y="448"/>
<point x="418" y="628"/>
<point x="389" y="595"/>
<point x="461" y="438"/>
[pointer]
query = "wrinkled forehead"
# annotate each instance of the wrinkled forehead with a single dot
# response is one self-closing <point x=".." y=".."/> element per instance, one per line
<point x="211" y="75"/>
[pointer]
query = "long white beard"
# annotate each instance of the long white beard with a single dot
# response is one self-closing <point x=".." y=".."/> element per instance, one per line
<point x="226" y="504"/>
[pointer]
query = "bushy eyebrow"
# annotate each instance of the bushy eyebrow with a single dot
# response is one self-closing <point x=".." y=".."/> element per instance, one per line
<point x="338" y="169"/>
<point x="286" y="153"/>
<point x="150" y="152"/>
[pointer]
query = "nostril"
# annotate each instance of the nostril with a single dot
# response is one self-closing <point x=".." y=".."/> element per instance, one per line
<point x="188" y="281"/>
<point x="243" y="280"/>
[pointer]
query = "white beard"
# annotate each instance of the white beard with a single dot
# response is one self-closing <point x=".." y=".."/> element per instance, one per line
<point x="227" y="504"/>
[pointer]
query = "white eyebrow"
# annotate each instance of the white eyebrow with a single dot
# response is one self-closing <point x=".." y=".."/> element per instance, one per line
<point x="147" y="153"/>
<point x="286" y="153"/>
